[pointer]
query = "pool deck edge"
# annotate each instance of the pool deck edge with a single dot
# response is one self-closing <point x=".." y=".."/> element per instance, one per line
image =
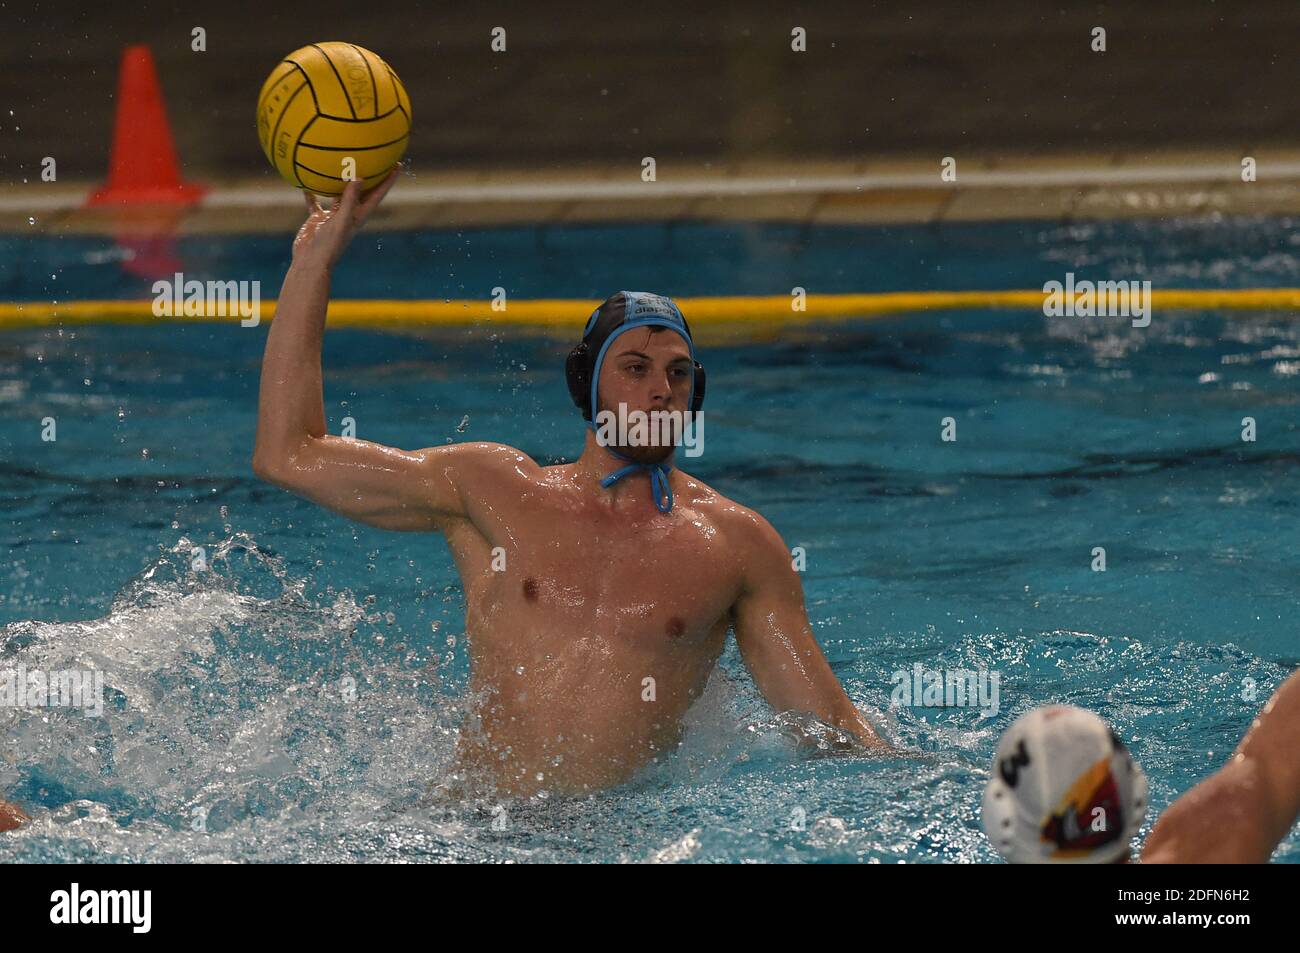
<point x="895" y="191"/>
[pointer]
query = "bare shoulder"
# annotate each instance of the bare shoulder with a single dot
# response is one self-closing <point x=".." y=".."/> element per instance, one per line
<point x="483" y="478"/>
<point x="482" y="460"/>
<point x="745" y="528"/>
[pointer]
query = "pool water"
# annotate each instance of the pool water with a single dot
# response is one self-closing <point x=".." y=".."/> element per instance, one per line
<point x="227" y="734"/>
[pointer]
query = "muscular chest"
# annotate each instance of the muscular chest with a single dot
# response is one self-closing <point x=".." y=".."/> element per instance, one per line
<point x="672" y="580"/>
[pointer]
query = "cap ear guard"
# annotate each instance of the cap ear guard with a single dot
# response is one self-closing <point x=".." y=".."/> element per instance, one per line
<point x="577" y="373"/>
<point x="697" y="394"/>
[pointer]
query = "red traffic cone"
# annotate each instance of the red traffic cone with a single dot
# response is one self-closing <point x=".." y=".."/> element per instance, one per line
<point x="143" y="164"/>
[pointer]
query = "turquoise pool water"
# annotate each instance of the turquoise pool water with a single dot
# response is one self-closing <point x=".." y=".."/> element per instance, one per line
<point x="222" y="710"/>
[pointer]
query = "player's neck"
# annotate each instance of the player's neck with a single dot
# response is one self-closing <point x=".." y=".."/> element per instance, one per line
<point x="597" y="462"/>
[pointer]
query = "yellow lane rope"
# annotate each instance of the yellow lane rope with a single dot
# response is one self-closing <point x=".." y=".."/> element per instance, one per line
<point x="565" y="314"/>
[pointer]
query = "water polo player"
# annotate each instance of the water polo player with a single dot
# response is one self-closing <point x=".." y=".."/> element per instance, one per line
<point x="599" y="592"/>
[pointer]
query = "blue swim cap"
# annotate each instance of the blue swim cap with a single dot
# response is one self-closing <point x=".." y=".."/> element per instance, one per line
<point x="623" y="312"/>
<point x="619" y="313"/>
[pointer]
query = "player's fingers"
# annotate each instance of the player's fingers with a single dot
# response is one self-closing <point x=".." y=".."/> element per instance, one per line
<point x="348" y="201"/>
<point x="313" y="205"/>
<point x="376" y="195"/>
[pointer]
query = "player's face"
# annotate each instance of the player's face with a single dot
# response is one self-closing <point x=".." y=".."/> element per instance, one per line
<point x="647" y="372"/>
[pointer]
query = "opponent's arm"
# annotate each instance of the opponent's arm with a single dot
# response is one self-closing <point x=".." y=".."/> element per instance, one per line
<point x="374" y="484"/>
<point x="777" y="643"/>
<point x="1240" y="813"/>
<point x="11" y="816"/>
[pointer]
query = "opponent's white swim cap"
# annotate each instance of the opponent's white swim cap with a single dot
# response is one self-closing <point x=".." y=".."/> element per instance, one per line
<point x="1064" y="790"/>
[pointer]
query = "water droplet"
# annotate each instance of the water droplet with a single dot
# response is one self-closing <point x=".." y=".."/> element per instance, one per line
<point x="519" y="670"/>
<point x="31" y="219"/>
<point x="463" y="425"/>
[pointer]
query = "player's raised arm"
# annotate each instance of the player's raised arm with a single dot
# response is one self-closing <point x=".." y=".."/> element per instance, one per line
<point x="777" y="643"/>
<point x="382" y="486"/>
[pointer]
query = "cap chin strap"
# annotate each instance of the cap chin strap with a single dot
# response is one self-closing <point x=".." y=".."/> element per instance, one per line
<point x="663" y="492"/>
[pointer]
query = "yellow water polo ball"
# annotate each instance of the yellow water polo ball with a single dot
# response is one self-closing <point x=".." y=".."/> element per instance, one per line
<point x="330" y="113"/>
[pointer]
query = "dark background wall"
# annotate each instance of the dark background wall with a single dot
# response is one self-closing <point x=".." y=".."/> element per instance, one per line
<point x="613" y="81"/>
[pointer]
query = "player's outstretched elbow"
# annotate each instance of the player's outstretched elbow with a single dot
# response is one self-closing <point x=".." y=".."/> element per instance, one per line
<point x="270" y="468"/>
